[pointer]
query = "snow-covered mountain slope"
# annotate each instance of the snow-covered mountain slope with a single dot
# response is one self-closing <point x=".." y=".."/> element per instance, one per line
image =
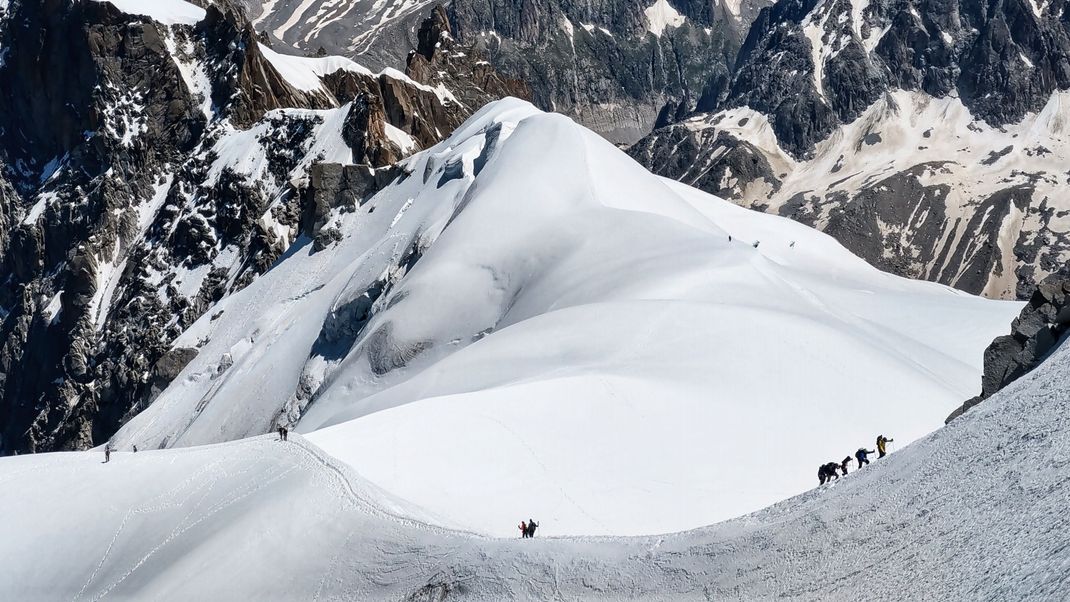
<point x="350" y="28"/>
<point x="613" y="65"/>
<point x="528" y="291"/>
<point x="973" y="511"/>
<point x="153" y="158"/>
<point x="916" y="185"/>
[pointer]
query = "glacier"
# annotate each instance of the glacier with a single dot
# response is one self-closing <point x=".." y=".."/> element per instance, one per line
<point x="525" y="290"/>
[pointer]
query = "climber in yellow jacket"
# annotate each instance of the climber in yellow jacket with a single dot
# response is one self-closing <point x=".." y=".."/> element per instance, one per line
<point x="882" y="442"/>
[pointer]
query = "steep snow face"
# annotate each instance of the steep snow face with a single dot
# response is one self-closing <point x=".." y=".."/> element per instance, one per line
<point x="606" y="335"/>
<point x="305" y="73"/>
<point x="165" y="12"/>
<point x="976" y="509"/>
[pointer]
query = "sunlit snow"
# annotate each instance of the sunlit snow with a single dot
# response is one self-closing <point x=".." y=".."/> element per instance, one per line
<point x="590" y="326"/>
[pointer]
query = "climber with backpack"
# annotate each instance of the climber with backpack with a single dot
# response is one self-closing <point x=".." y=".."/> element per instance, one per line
<point x="882" y="442"/>
<point x="843" y="465"/>
<point x="862" y="456"/>
<point x="826" y="472"/>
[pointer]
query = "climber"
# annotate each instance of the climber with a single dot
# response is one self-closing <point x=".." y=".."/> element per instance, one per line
<point x="843" y="465"/>
<point x="135" y="449"/>
<point x="523" y="530"/>
<point x="861" y="454"/>
<point x="107" y="452"/>
<point x="882" y="441"/>
<point x="532" y="525"/>
<point x="830" y="467"/>
<point x="283" y="432"/>
<point x="826" y="472"/>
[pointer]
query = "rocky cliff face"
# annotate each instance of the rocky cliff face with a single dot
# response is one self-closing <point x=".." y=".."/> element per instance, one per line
<point x="1035" y="333"/>
<point x="148" y="170"/>
<point x="928" y="137"/>
<point x="377" y="33"/>
<point x="812" y="65"/>
<point x="617" y="67"/>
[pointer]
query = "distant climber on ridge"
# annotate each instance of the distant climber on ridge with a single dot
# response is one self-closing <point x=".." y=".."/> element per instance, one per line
<point x="283" y="432"/>
<point x="107" y="452"/>
<point x="882" y="442"/>
<point x="862" y="456"/>
<point x="523" y="526"/>
<point x="532" y="525"/>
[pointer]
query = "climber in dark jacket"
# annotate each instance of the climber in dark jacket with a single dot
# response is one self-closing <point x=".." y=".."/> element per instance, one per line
<point x="843" y="465"/>
<point x="826" y="472"/>
<point x="882" y="441"/>
<point x="532" y="525"/>
<point x="832" y="466"/>
<point x="861" y="454"/>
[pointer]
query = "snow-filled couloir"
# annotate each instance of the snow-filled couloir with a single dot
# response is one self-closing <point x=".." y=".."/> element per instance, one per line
<point x="527" y="323"/>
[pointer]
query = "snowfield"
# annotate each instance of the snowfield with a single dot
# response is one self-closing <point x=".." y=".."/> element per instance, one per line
<point x="167" y="12"/>
<point x="977" y="510"/>
<point x="530" y="324"/>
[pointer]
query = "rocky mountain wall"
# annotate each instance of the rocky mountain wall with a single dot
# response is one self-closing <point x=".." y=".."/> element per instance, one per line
<point x="1035" y="334"/>
<point x="929" y="137"/>
<point x="149" y="170"/>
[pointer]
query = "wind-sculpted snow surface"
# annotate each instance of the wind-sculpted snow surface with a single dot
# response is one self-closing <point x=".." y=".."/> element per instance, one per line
<point x="973" y="511"/>
<point x="528" y="322"/>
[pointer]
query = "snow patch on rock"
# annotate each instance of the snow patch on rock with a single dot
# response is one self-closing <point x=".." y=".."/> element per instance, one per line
<point x="660" y="16"/>
<point x="165" y="12"/>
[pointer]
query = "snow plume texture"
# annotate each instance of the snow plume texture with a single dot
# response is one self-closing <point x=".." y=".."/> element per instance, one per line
<point x="528" y="323"/>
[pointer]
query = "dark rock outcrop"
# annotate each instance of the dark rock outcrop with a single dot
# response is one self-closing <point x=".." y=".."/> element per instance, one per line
<point x="599" y="62"/>
<point x="1000" y="58"/>
<point x="439" y="60"/>
<point x="1035" y="333"/>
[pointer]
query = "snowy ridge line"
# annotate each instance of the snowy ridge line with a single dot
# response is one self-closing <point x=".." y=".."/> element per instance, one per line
<point x="879" y="531"/>
<point x="371" y="361"/>
<point x="972" y="173"/>
<point x="347" y="478"/>
<point x="178" y="530"/>
<point x="165" y="12"/>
